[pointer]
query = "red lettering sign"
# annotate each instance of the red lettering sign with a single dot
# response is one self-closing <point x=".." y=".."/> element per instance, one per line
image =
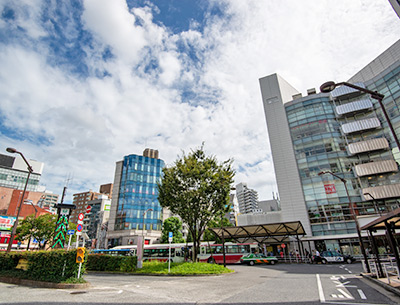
<point x="330" y="189"/>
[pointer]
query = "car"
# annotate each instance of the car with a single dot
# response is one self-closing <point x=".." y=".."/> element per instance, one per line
<point x="252" y="259"/>
<point x="333" y="257"/>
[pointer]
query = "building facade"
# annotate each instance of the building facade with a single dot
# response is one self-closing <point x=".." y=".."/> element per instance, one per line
<point x="135" y="209"/>
<point x="48" y="201"/>
<point x="344" y="132"/>
<point x="14" y="171"/>
<point x="80" y="200"/>
<point x="247" y="199"/>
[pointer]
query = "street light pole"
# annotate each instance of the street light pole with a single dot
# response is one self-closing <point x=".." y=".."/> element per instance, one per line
<point x="329" y="86"/>
<point x="354" y="216"/>
<point x="375" y="203"/>
<point x="140" y="262"/>
<point x="14" y="228"/>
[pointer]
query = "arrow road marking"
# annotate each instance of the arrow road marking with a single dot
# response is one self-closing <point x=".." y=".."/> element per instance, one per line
<point x="362" y="295"/>
<point x="349" y="296"/>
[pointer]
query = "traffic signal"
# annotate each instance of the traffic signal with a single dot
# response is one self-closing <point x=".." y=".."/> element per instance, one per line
<point x="80" y="254"/>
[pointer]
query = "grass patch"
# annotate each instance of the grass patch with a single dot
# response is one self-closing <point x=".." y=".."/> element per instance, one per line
<point x="182" y="268"/>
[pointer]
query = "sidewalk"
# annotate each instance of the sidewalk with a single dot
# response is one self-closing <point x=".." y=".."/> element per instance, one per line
<point x="393" y="286"/>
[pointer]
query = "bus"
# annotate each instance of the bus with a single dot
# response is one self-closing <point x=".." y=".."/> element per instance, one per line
<point x="209" y="252"/>
<point x="213" y="253"/>
<point x="114" y="252"/>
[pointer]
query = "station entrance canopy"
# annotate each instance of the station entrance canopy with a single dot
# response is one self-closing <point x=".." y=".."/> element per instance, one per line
<point x="268" y="233"/>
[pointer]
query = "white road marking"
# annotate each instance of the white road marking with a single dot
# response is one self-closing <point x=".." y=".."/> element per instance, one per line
<point x="341" y="296"/>
<point x="320" y="290"/>
<point x="334" y="296"/>
<point x="343" y="278"/>
<point x="349" y="296"/>
<point x="362" y="294"/>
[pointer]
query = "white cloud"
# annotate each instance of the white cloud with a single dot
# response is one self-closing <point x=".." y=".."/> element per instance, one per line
<point x="92" y="122"/>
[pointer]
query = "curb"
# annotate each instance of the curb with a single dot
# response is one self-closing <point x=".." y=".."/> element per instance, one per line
<point x="386" y="286"/>
<point x="40" y="284"/>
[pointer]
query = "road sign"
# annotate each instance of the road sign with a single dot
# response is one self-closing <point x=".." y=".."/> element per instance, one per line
<point x="81" y="216"/>
<point x="88" y="208"/>
<point x="80" y="222"/>
<point x="79" y="228"/>
<point x="170" y="237"/>
<point x="70" y="232"/>
<point x="64" y="212"/>
<point x="283" y="246"/>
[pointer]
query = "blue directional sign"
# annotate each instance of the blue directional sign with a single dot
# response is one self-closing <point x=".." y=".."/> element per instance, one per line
<point x="70" y="232"/>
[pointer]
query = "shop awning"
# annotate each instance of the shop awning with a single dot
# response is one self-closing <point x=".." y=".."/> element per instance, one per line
<point x="392" y="218"/>
<point x="267" y="233"/>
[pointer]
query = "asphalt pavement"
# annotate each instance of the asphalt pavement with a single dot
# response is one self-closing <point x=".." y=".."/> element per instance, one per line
<point x="278" y="284"/>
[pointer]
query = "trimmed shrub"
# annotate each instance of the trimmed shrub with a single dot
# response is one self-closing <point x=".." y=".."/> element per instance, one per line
<point x="104" y="262"/>
<point x="49" y="266"/>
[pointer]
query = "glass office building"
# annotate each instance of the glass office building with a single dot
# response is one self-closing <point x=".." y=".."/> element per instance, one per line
<point x="344" y="132"/>
<point x="135" y="195"/>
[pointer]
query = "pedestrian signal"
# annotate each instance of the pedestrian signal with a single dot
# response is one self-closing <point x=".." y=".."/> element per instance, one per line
<point x="80" y="254"/>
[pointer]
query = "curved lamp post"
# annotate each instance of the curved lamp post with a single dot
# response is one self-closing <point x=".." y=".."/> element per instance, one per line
<point x="30" y="170"/>
<point x="353" y="214"/>
<point x="375" y="203"/>
<point x="330" y="86"/>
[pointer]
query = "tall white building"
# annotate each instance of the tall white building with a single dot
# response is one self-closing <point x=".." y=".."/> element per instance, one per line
<point x="343" y="132"/>
<point x="247" y="198"/>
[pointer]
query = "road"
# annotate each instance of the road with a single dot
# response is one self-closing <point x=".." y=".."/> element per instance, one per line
<point x="279" y="284"/>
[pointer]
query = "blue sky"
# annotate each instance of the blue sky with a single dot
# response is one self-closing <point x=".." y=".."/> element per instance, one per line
<point x="84" y="83"/>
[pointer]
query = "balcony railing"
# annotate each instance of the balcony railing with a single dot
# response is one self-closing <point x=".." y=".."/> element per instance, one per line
<point x="361" y="125"/>
<point x="382" y="191"/>
<point x="368" y="145"/>
<point x="353" y="107"/>
<point x="377" y="167"/>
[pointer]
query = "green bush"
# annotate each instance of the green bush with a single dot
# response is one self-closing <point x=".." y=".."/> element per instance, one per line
<point x="49" y="266"/>
<point x="9" y="261"/>
<point x="103" y="262"/>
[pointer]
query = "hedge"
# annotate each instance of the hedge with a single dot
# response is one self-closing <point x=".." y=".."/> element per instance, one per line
<point x="60" y="265"/>
<point x="49" y="266"/>
<point x="103" y="262"/>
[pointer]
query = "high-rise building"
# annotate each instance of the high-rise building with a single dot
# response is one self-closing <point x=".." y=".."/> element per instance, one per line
<point x="48" y="201"/>
<point x="135" y="195"/>
<point x="247" y="199"/>
<point x="14" y="171"/>
<point x="80" y="200"/>
<point x="396" y="6"/>
<point x="344" y="132"/>
<point x="106" y="189"/>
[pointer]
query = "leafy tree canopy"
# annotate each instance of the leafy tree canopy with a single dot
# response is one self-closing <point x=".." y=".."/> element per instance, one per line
<point x="174" y="225"/>
<point x="197" y="189"/>
<point x="41" y="228"/>
<point x="217" y="222"/>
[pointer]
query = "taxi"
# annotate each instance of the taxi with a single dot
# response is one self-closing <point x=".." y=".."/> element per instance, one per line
<point x="252" y="259"/>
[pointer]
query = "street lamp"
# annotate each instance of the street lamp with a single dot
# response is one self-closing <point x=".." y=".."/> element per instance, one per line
<point x="30" y="170"/>
<point x="30" y="237"/>
<point x="375" y="204"/>
<point x="329" y="86"/>
<point x="353" y="214"/>
<point x="140" y="261"/>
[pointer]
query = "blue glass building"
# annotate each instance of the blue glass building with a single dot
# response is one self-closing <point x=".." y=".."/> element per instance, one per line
<point x="135" y="195"/>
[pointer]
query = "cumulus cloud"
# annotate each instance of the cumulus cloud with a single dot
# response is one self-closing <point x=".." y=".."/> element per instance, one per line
<point x="135" y="83"/>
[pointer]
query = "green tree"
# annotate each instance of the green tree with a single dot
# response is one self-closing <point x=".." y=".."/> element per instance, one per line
<point x="217" y="222"/>
<point x="26" y="229"/>
<point x="196" y="188"/>
<point x="41" y="228"/>
<point x="174" y="225"/>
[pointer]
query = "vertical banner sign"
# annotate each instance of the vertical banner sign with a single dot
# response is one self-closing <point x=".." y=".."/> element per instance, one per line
<point x="169" y="255"/>
<point x="61" y="231"/>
